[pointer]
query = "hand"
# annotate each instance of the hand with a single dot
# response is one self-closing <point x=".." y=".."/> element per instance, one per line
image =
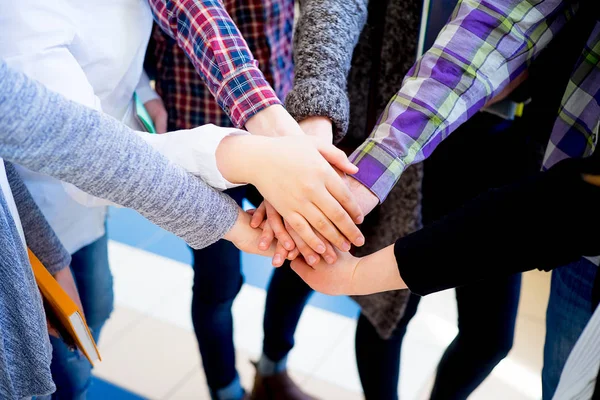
<point x="246" y="238"/>
<point x="64" y="277"/>
<point x="273" y="121"/>
<point x="366" y="199"/>
<point x="312" y="126"/>
<point x="377" y="272"/>
<point x="158" y="113"/>
<point x="294" y="175"/>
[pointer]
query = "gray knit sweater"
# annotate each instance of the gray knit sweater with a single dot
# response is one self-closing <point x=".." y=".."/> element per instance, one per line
<point x="348" y="70"/>
<point x="44" y="132"/>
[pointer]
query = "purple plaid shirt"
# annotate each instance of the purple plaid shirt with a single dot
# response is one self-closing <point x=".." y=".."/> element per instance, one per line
<point x="484" y="46"/>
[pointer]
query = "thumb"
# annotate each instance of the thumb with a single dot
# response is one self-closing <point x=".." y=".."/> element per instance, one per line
<point x="336" y="157"/>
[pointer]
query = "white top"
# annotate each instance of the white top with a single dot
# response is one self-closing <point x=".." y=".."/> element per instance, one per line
<point x="578" y="378"/>
<point x="12" y="207"/>
<point x="90" y="51"/>
<point x="193" y="149"/>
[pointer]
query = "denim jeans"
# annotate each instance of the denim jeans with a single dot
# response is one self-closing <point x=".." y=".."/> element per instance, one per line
<point x="217" y="281"/>
<point x="71" y="371"/>
<point x="569" y="310"/>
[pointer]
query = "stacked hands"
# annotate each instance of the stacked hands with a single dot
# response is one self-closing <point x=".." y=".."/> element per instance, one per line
<point x="311" y="208"/>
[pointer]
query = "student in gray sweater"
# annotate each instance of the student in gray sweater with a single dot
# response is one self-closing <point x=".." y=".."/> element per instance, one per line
<point x="42" y="131"/>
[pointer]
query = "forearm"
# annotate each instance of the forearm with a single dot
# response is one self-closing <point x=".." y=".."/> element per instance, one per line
<point x="39" y="236"/>
<point x="485" y="46"/>
<point x="541" y="222"/>
<point x="204" y="30"/>
<point x="46" y="133"/>
<point x="324" y="41"/>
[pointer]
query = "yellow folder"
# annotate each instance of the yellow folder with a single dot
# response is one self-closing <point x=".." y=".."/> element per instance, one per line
<point x="62" y="311"/>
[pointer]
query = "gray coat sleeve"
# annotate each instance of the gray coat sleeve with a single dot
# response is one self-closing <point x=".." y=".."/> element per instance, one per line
<point x="324" y="41"/>
<point x="44" y="132"/>
<point x="39" y="236"/>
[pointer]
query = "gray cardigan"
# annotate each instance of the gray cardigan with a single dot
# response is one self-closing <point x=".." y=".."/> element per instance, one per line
<point x="44" y="132"/>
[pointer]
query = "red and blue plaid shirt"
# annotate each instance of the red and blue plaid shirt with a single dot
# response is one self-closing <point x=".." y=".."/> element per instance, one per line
<point x="222" y="84"/>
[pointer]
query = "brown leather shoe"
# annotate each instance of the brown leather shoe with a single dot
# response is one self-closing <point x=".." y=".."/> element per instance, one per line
<point x="277" y="387"/>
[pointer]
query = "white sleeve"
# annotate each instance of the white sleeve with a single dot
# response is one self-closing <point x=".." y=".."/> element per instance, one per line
<point x="194" y="150"/>
<point x="144" y="91"/>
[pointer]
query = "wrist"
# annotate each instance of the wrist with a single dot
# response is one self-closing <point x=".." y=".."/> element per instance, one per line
<point x="273" y="121"/>
<point x="377" y="272"/>
<point x="238" y="156"/>
<point x="318" y="126"/>
<point x="236" y="232"/>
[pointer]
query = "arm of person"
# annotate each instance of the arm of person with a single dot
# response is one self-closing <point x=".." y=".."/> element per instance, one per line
<point x="324" y="40"/>
<point x="153" y="103"/>
<point x="216" y="48"/>
<point x="39" y="236"/>
<point x="541" y="221"/>
<point x="485" y="45"/>
<point x="46" y="133"/>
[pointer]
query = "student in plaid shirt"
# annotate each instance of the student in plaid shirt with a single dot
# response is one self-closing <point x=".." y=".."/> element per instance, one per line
<point x="267" y="28"/>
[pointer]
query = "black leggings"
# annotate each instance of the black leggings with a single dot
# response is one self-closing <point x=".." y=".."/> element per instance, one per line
<point x="486" y="323"/>
<point x="469" y="162"/>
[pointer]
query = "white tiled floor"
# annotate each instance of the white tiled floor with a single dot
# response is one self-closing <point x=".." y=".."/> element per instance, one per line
<point x="149" y="347"/>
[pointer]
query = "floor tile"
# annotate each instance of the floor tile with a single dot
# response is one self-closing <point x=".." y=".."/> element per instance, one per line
<point x="248" y="310"/>
<point x="318" y="336"/>
<point x="151" y="359"/>
<point x="142" y="280"/>
<point x="120" y="322"/>
<point x="339" y="366"/>
<point x="534" y="295"/>
<point x="326" y="391"/>
<point x="192" y="388"/>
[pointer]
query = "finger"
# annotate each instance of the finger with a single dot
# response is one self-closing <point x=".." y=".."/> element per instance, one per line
<point x="293" y="254"/>
<point x="266" y="238"/>
<point x="279" y="230"/>
<point x="321" y="224"/>
<point x="342" y="194"/>
<point x="309" y="254"/>
<point x="305" y="232"/>
<point x="336" y="157"/>
<point x="330" y="255"/>
<point x="339" y="218"/>
<point x="280" y="255"/>
<point x="258" y="216"/>
<point x="251" y="211"/>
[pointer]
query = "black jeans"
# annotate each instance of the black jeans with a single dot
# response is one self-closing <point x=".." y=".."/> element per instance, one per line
<point x="485" y="152"/>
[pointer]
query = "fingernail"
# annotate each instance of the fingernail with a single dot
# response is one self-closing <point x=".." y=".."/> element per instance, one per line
<point x="312" y="260"/>
<point x="321" y="249"/>
<point x="329" y="259"/>
<point x="360" y="240"/>
<point x="360" y="219"/>
<point x="277" y="259"/>
<point x="346" y="246"/>
<point x="263" y="244"/>
<point x="288" y="246"/>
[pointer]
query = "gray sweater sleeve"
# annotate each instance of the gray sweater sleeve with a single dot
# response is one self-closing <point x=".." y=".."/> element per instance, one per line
<point x="324" y="41"/>
<point x="44" y="132"/>
<point x="39" y="236"/>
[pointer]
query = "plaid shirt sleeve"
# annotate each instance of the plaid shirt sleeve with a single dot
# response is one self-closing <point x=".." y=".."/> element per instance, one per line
<point x="483" y="47"/>
<point x="206" y="33"/>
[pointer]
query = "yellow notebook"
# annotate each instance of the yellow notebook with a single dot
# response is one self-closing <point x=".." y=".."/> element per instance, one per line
<point x="62" y="311"/>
